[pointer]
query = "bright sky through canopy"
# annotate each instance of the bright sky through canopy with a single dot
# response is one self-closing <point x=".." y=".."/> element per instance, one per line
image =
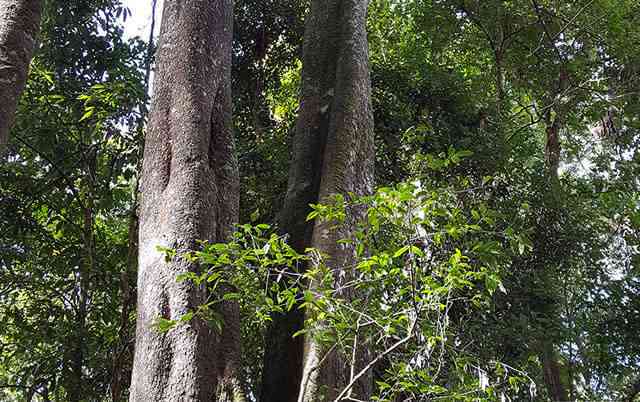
<point x="140" y="21"/>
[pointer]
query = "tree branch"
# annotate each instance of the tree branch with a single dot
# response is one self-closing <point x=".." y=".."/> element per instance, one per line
<point x="373" y="362"/>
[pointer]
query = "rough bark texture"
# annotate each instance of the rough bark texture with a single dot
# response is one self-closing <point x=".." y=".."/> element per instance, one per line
<point x="552" y="374"/>
<point x="332" y="153"/>
<point x="124" y="350"/>
<point x="19" y="26"/>
<point x="283" y="354"/>
<point x="189" y="192"/>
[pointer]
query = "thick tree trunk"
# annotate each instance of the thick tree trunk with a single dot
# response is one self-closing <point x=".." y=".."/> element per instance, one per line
<point x="282" y="371"/>
<point x="347" y="168"/>
<point x="189" y="192"/>
<point x="332" y="153"/>
<point x="19" y="26"/>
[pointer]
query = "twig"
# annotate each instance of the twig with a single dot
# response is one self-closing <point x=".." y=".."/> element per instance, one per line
<point x="368" y="367"/>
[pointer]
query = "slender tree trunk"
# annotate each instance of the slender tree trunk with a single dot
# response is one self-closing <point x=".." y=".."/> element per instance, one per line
<point x="552" y="148"/>
<point x="189" y="192"/>
<point x="86" y="268"/>
<point x="548" y="243"/>
<point x="19" y="26"/>
<point x="500" y="95"/>
<point x="332" y="154"/>
<point x="124" y="349"/>
<point x="123" y="358"/>
<point x="150" y="47"/>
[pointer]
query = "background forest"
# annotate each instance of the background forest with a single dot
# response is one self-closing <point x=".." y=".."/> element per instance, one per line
<point x="498" y="257"/>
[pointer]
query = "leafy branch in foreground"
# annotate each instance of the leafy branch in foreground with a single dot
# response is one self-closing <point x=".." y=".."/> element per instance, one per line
<point x="422" y="265"/>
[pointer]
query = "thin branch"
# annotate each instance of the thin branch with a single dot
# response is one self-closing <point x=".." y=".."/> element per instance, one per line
<point x="354" y="353"/>
<point x="477" y="23"/>
<point x="372" y="363"/>
<point x="72" y="186"/>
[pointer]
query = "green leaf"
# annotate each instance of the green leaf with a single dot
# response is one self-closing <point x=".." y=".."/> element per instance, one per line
<point x="88" y="113"/>
<point x="400" y="251"/>
<point x="164" y="325"/>
<point x="187" y="317"/>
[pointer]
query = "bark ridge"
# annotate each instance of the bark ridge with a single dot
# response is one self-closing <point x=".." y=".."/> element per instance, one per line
<point x="19" y="26"/>
<point x="333" y="153"/>
<point x="189" y="192"/>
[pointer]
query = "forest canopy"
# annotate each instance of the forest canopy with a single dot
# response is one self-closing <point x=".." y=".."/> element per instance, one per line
<point x="320" y="200"/>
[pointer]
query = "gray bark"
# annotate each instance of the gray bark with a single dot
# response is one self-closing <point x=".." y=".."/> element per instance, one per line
<point x="189" y="192"/>
<point x="123" y="356"/>
<point x="332" y="153"/>
<point x="19" y="26"/>
<point x="282" y="371"/>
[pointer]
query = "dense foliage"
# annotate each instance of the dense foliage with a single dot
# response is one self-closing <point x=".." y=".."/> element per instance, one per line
<point x="499" y="257"/>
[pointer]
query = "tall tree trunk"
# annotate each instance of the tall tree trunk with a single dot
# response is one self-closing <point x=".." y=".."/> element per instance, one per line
<point x="150" y="48"/>
<point x="86" y="268"/>
<point x="500" y="93"/>
<point x="261" y="116"/>
<point x="332" y="153"/>
<point x="19" y="26"/>
<point x="123" y="358"/>
<point x="189" y="192"/>
<point x="548" y="243"/>
<point x="282" y="370"/>
<point x="124" y="348"/>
